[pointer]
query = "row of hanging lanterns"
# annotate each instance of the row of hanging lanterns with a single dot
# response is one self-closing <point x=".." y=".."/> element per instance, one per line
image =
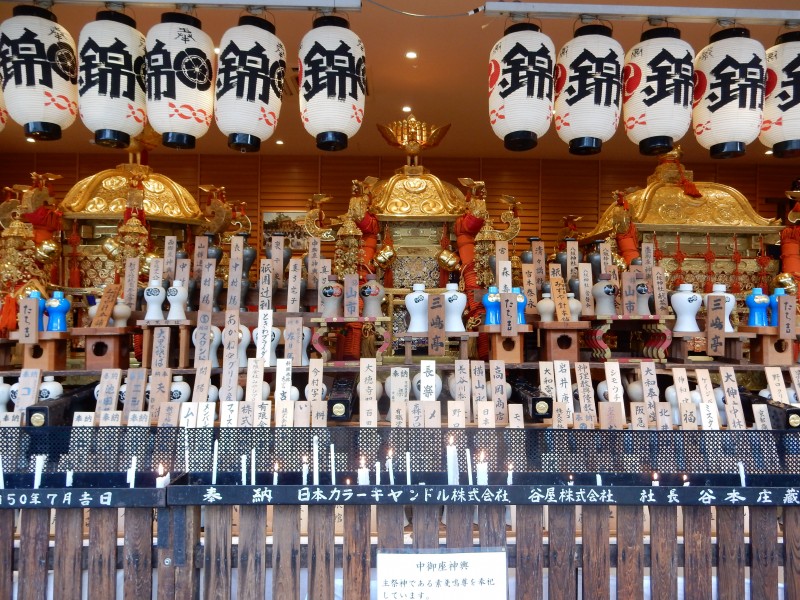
<point x="117" y="79"/>
<point x="731" y="93"/>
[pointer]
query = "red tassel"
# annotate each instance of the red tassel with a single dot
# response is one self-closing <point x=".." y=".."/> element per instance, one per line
<point x="8" y="315"/>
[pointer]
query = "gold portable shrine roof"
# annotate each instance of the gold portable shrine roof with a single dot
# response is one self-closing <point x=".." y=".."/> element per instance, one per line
<point x="414" y="193"/>
<point x="104" y="196"/>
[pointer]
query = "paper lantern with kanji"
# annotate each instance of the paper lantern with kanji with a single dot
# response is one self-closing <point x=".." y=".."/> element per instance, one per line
<point x="728" y="92"/>
<point x="333" y="82"/>
<point x="111" y="79"/>
<point x="40" y="72"/>
<point x="180" y="95"/>
<point x="658" y="79"/>
<point x="521" y="86"/>
<point x="249" y="87"/>
<point x="588" y="84"/>
<point x="780" y="129"/>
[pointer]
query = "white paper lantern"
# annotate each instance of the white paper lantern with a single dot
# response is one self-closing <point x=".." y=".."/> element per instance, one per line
<point x="111" y="79"/>
<point x="249" y="87"/>
<point x="333" y="82"/>
<point x="658" y="81"/>
<point x="588" y="85"/>
<point x="39" y="72"/>
<point x="180" y="95"/>
<point x="521" y="86"/>
<point x="729" y="78"/>
<point x="780" y="129"/>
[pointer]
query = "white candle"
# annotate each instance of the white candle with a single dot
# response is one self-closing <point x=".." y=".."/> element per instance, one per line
<point x="214" y="463"/>
<point x="482" y="471"/>
<point x="305" y="470"/>
<point x="377" y="472"/>
<point x="2" y="475"/>
<point x="452" y="463"/>
<point x="131" y="478"/>
<point x="742" y="480"/>
<point x="390" y="468"/>
<point x="408" y="468"/>
<point x="275" y="475"/>
<point x="333" y="466"/>
<point x="162" y="480"/>
<point x="599" y="479"/>
<point x="469" y="466"/>
<point x="252" y="466"/>
<point x="315" y="458"/>
<point x="363" y="473"/>
<point x="571" y="481"/>
<point x="186" y="450"/>
<point x="685" y="481"/>
<point x="37" y="471"/>
<point x="655" y="480"/>
<point x="68" y="478"/>
<point x="510" y="476"/>
<point x="244" y="469"/>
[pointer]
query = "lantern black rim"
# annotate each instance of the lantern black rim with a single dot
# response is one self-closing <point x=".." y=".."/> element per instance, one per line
<point x="331" y="141"/>
<point x="331" y="21"/>
<point x="585" y="146"/>
<point x="181" y="141"/>
<point x="786" y="149"/>
<point x="182" y="18"/>
<point x="25" y="10"/>
<point x="519" y="141"/>
<point x="593" y="30"/>
<point x="42" y="131"/>
<point x="117" y="17"/>
<point x="257" y="22"/>
<point x="731" y="32"/>
<point x="653" y="146"/>
<point x="244" y="142"/>
<point x="660" y="32"/>
<point x="789" y="36"/>
<point x="727" y="150"/>
<point x="112" y="138"/>
<point x="521" y="27"/>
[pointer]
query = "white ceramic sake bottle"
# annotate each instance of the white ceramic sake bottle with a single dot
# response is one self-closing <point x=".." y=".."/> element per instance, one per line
<point x="417" y="306"/>
<point x="179" y="390"/>
<point x="120" y="313"/>
<point x="454" y="304"/>
<point x="686" y="304"/>
<point x="154" y="298"/>
<point x="244" y="341"/>
<point x="177" y="296"/>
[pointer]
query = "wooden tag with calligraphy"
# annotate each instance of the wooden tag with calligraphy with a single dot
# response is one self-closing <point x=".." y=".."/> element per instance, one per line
<point x="709" y="416"/>
<point x="314" y="256"/>
<point x="230" y="357"/>
<point x="606" y="260"/>
<point x="462" y="376"/>
<point x="322" y="278"/>
<point x="485" y="415"/>
<point x="135" y="390"/>
<point x="639" y="417"/>
<point x="794" y="373"/>
<point x="319" y="413"/>
<point x="302" y="414"/>
<point x="170" y="250"/>
<point x="284" y="413"/>
<point x="283" y="379"/>
<point x="235" y="273"/>
<point x="539" y="264"/>
<point x="367" y="377"/>
<point x="255" y="379"/>
<point x="293" y="336"/>
<point x="107" y="302"/>
<point x="500" y="254"/>
<point x="205" y="413"/>
<point x="350" y="283"/>
<point x="110" y="418"/>
<point x="516" y="416"/>
<point x="650" y="391"/>
<point x="611" y="415"/>
<point x="777" y="387"/>
<point x="561" y="418"/>
<point x="169" y="415"/>
<point x="614" y="381"/>
<point x="681" y="383"/>
<point x="704" y="385"/>
<point x="456" y="414"/>
<point x="160" y="358"/>
<point x="416" y="414"/>
<point x="28" y="389"/>
<point x="563" y="383"/>
<point x="547" y="380"/>
<point x="761" y="420"/>
<point x="573" y="258"/>
<point x="108" y="395"/>
<point x="583" y="377"/>
<point x="200" y="254"/>
<point x="660" y="291"/>
<point x="787" y="319"/>
<point x="554" y="270"/>
<point x="183" y="271"/>
<point x="478" y="378"/>
<point x="427" y="380"/>
<point x="497" y="382"/>
<point x="433" y="414"/>
<point x="585" y="289"/>
<point x="157" y="269"/>
<point x="315" y="374"/>
<point x="138" y="418"/>
<point x="582" y="421"/>
<point x="436" y="333"/>
<point x="733" y="402"/>
<point x="160" y="382"/>
<point x="508" y="315"/>
<point x="689" y="416"/>
<point x="615" y="281"/>
<point x="28" y="319"/>
<point x="293" y="286"/>
<point x="202" y="337"/>
<point x="558" y="292"/>
<point x="86" y="419"/>
<point x="648" y="259"/>
<point x="263" y="414"/>
<point x="131" y="281"/>
<point x="188" y="414"/>
<point x="398" y="413"/>
<point x="715" y="325"/>
<point x="265" y="284"/>
<point x="276" y="244"/>
<point x="664" y="416"/>
<point x="368" y="413"/>
<point x="202" y="381"/>
<point x="529" y="288"/>
<point x="264" y="337"/>
<point x="628" y="293"/>
<point x="228" y="413"/>
<point x="504" y="276"/>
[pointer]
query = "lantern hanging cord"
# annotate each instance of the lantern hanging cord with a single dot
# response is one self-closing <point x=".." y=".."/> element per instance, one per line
<point x="469" y="13"/>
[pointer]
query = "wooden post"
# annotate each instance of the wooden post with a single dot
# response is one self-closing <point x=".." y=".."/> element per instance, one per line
<point x="763" y="552"/>
<point x="596" y="562"/>
<point x="390" y="526"/>
<point x="67" y="580"/>
<point x="530" y="556"/>
<point x="187" y="574"/>
<point x="217" y="558"/>
<point x="356" y="551"/>
<point x="102" y="552"/>
<point x="138" y="552"/>
<point x="425" y="522"/>
<point x="730" y="553"/>
<point x="492" y="526"/>
<point x="663" y="552"/>
<point x="6" y="552"/>
<point x="34" y="527"/>
<point x="252" y="554"/>
<point x="285" y="553"/>
<point x="459" y="526"/>
<point x="562" y="584"/>
<point x="630" y="552"/>
<point x="791" y="543"/>
<point x="320" y="552"/>
<point x="697" y="552"/>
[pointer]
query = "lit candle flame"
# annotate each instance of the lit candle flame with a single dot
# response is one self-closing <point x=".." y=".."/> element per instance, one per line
<point x="160" y="470"/>
<point x="276" y="466"/>
<point x="390" y="453"/>
<point x="482" y="457"/>
<point x="655" y="476"/>
<point x="363" y="463"/>
<point x="305" y="458"/>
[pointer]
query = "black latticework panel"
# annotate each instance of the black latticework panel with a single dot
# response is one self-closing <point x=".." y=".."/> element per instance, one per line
<point x="531" y="451"/>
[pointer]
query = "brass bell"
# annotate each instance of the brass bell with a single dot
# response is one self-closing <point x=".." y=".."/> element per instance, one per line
<point x="385" y="257"/>
<point x="110" y="247"/>
<point x="46" y="251"/>
<point x="448" y="260"/>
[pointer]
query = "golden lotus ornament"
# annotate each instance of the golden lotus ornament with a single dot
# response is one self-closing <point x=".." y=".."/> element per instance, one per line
<point x="448" y="260"/>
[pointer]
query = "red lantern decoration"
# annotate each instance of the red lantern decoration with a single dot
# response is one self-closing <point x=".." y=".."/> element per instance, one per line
<point x="728" y="92"/>
<point x="333" y="82"/>
<point x="180" y="98"/>
<point x="658" y="80"/>
<point x="588" y="84"/>
<point x="251" y="68"/>
<point x="111" y="79"/>
<point x="40" y="72"/>
<point x="780" y="129"/>
<point x="521" y="86"/>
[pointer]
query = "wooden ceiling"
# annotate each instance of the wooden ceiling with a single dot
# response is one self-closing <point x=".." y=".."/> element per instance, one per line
<point x="447" y="83"/>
